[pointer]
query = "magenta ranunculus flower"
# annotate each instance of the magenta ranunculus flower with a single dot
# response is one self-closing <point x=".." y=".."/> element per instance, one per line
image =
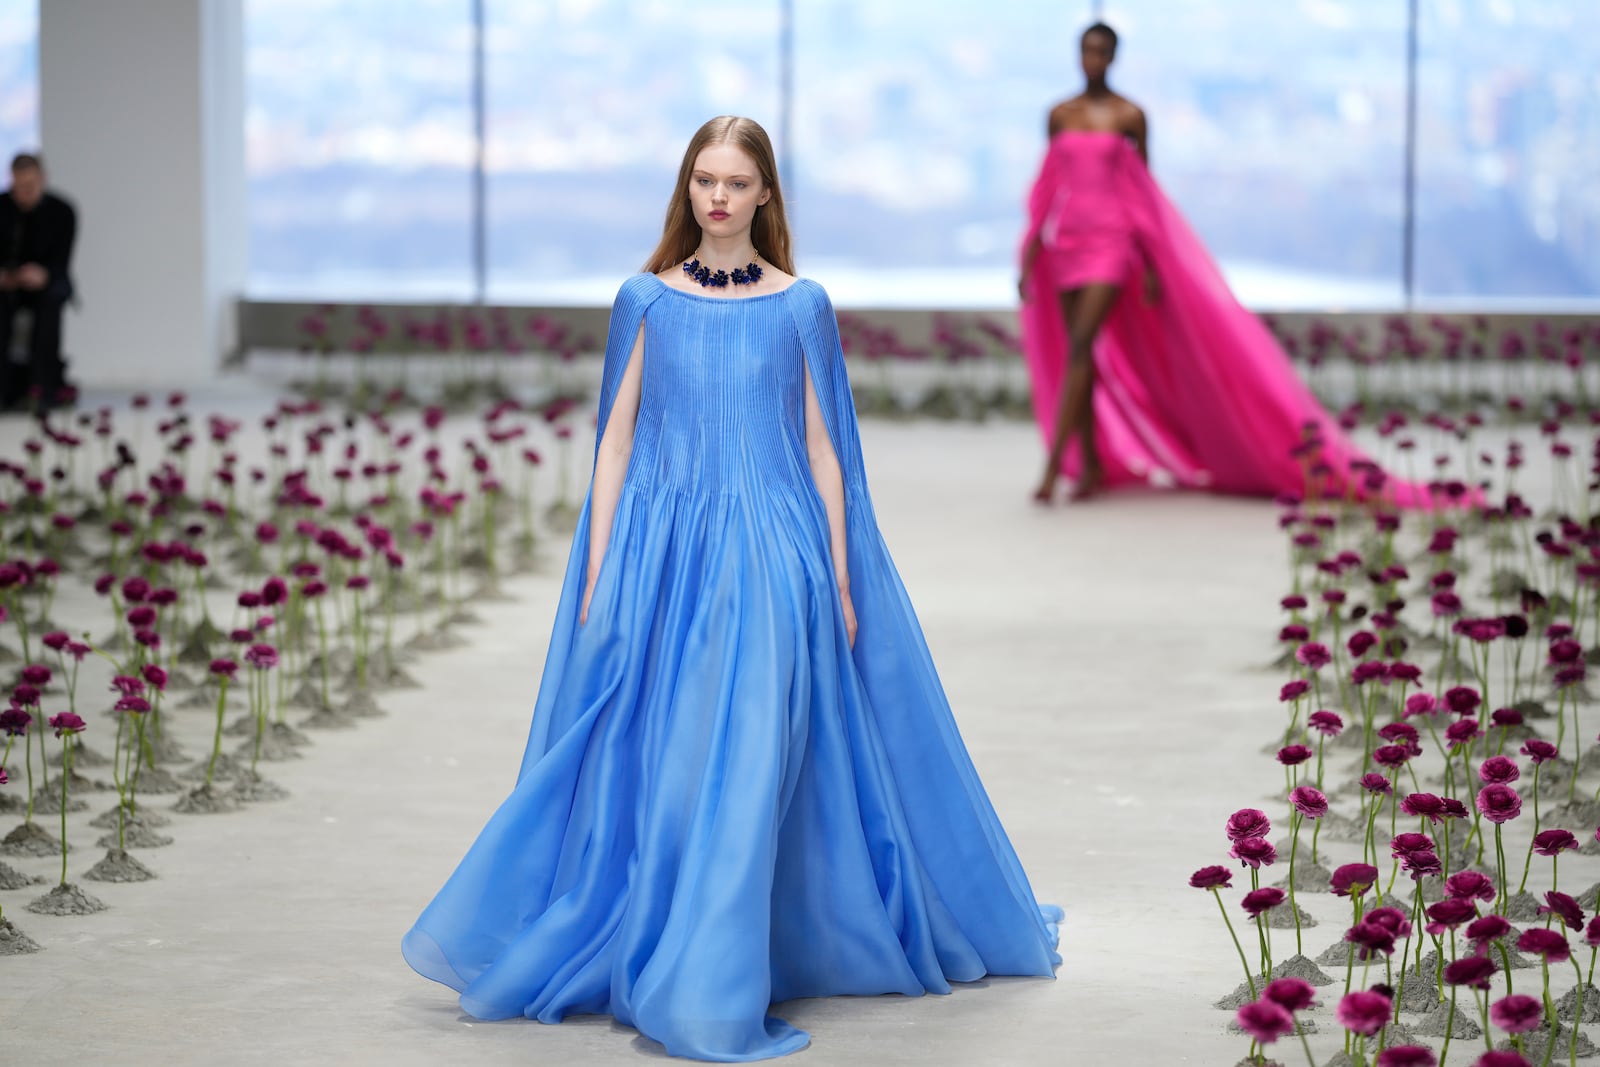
<point x="36" y="674"/>
<point x="1591" y="933"/>
<point x="1406" y="1056"/>
<point x="1326" y="723"/>
<point x="1499" y="803"/>
<point x="1500" y="770"/>
<point x="3" y="778"/>
<point x="1353" y="879"/>
<point x="1421" y="865"/>
<point x="1404" y="844"/>
<point x="1506" y="1058"/>
<point x="1565" y="651"/>
<point x="1450" y="913"/>
<point x="1373" y="782"/>
<point x="1570" y="676"/>
<point x="1517" y="1013"/>
<point x="1309" y="801"/>
<point x="1547" y="943"/>
<point x="14" y="722"/>
<point x="1294" y="632"/>
<point x="1370" y="938"/>
<point x="24" y="695"/>
<point x="1553" y="842"/>
<point x="67" y="723"/>
<point x="1248" y="822"/>
<point x="1364" y="1012"/>
<point x="1265" y="1021"/>
<point x="1564" y="908"/>
<point x="1294" y="755"/>
<point x="1421" y="704"/>
<point x="1313" y="655"/>
<point x="1487" y="929"/>
<point x="1461" y="732"/>
<point x="1294" y="690"/>
<point x="1405" y="672"/>
<point x="1474" y="971"/>
<point x="1462" y="700"/>
<point x="1292" y="994"/>
<point x="1392" y="919"/>
<point x="1539" y="750"/>
<point x="1214" y="877"/>
<point x="1361" y="643"/>
<point x="1423" y="805"/>
<point x="1254" y="852"/>
<point x="156" y="676"/>
<point x="1470" y="885"/>
<point x="261" y="656"/>
<point x="56" y="640"/>
<point x="1261" y="900"/>
<point x="1371" y="670"/>
<point x="1391" y="755"/>
<point x="223" y="668"/>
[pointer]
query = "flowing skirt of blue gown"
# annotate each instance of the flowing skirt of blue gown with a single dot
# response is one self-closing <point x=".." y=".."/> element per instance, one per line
<point x="721" y="806"/>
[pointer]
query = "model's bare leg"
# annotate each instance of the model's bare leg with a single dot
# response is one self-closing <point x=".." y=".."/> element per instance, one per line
<point x="1084" y="312"/>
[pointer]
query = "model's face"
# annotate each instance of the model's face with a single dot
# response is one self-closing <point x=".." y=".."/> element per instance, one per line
<point x="1098" y="52"/>
<point x="725" y="190"/>
<point x="27" y="187"/>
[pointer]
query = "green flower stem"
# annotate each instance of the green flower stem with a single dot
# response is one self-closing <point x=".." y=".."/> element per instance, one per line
<point x="1248" y="978"/>
<point x="1500" y="866"/>
<point x="1550" y="1012"/>
<point x="1577" y="1017"/>
<point x="1483" y="1014"/>
<point x="1449" y="1027"/>
<point x="1529" y="862"/>
<point x="216" y="740"/>
<point x="66" y="773"/>
<point x="322" y="649"/>
<point x="1301" y="1033"/>
<point x="1294" y="847"/>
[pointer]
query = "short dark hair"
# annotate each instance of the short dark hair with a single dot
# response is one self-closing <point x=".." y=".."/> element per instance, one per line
<point x="26" y="161"/>
<point x="1101" y="27"/>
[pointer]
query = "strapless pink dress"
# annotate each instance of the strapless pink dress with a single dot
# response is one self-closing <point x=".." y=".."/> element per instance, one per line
<point x="1193" y="390"/>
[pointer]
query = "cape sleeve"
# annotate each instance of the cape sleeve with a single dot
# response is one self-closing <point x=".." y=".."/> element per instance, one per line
<point x="818" y="327"/>
<point x="627" y="312"/>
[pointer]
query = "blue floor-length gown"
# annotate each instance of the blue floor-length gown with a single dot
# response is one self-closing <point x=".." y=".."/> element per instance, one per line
<point x="722" y="805"/>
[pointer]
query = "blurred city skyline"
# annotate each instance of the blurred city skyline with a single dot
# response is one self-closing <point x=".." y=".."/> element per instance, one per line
<point x="1278" y="126"/>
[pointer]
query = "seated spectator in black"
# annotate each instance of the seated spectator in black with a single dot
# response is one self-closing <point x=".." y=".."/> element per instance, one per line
<point x="37" y="229"/>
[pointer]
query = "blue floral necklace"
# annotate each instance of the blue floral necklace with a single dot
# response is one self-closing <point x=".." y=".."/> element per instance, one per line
<point x="709" y="279"/>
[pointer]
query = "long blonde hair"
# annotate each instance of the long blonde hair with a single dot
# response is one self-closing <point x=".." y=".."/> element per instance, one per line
<point x="769" y="231"/>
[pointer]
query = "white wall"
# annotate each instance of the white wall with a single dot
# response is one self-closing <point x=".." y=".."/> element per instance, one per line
<point x="141" y="116"/>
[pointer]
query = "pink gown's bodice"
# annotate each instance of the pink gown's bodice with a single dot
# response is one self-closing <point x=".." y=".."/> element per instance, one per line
<point x="1193" y="390"/>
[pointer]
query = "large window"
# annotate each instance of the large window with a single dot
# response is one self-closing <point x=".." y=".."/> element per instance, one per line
<point x="19" y="76"/>
<point x="1509" y="150"/>
<point x="360" y="148"/>
<point x="589" y="105"/>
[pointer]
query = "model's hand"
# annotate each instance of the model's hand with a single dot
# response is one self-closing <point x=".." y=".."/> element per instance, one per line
<point x="588" y="595"/>
<point x="1152" y="287"/>
<point x="849" y="614"/>
<point x="8" y="279"/>
<point x="32" y="276"/>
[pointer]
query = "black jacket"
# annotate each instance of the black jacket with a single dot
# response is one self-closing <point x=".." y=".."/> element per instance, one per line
<point x="43" y="236"/>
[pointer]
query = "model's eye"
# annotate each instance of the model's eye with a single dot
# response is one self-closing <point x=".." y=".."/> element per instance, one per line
<point x="703" y="181"/>
<point x="739" y="185"/>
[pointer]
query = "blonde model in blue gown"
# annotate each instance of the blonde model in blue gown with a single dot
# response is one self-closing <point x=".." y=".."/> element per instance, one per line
<point x="723" y="804"/>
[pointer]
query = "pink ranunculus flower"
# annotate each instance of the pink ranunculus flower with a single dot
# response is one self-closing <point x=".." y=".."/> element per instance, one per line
<point x="1499" y="803"/>
<point x="1470" y="885"/>
<point x="67" y="723"/>
<point x="1326" y="723"/>
<point x="1262" y="900"/>
<point x="1254" y="852"/>
<point x="1265" y="1021"/>
<point x="1292" y="994"/>
<point x="1309" y="801"/>
<point x="1353" y="879"/>
<point x="1213" y="877"/>
<point x="1406" y="1056"/>
<point x="1248" y="822"/>
<point x="1313" y="655"/>
<point x="1500" y="770"/>
<point x="1517" y="1013"/>
<point x="1364" y="1012"/>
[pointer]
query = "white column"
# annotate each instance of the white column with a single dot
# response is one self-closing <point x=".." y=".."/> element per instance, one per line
<point x="141" y="121"/>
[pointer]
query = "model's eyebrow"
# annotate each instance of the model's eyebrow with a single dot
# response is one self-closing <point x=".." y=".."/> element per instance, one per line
<point x="708" y="174"/>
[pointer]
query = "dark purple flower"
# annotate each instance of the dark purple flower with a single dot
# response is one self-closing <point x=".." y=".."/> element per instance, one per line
<point x="24" y="695"/>
<point x="1265" y="1021"/>
<point x="1406" y="1056"/>
<point x="1553" y="842"/>
<point x="14" y="722"/>
<point x="1369" y="671"/>
<point x="1254" y="851"/>
<point x="1570" y="676"/>
<point x="56" y="640"/>
<point x="1291" y="994"/>
<point x="1461" y="732"/>
<point x="1423" y="805"/>
<point x="1294" y="755"/>
<point x="1364" y="1012"/>
<point x="1517" y="1013"/>
<point x="1361" y="643"/>
<point x="1325" y="723"/>
<point x="1564" y="908"/>
<point x="1450" y="913"/>
<point x="36" y="674"/>
<point x="156" y="676"/>
<point x="1547" y="943"/>
<point x="1421" y="704"/>
<point x="1370" y="939"/>
<point x="1474" y="971"/>
<point x="1373" y="782"/>
<point x="1294" y="690"/>
<point x="135" y="705"/>
<point x="1470" y="885"/>
<point x="1565" y="651"/>
<point x="1214" y="877"/>
<point x="1499" y="803"/>
<point x="1505" y="1058"/>
<point x="227" y="668"/>
<point x="1487" y="929"/>
<point x="1499" y="770"/>
<point x="1462" y="700"/>
<point x="1353" y="879"/>
<point x="1391" y="756"/>
<point x="1313" y="655"/>
<point x="1248" y="822"/>
<point x="1308" y="801"/>
<point x="1539" y="750"/>
<point x="1392" y="919"/>
<point x="1262" y="900"/>
<point x="67" y="723"/>
<point x="1421" y="865"/>
<point x="1294" y="632"/>
<point x="261" y="656"/>
<point x="1591" y="933"/>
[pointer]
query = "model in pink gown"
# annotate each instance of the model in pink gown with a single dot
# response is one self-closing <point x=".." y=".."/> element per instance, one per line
<point x="1190" y="390"/>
